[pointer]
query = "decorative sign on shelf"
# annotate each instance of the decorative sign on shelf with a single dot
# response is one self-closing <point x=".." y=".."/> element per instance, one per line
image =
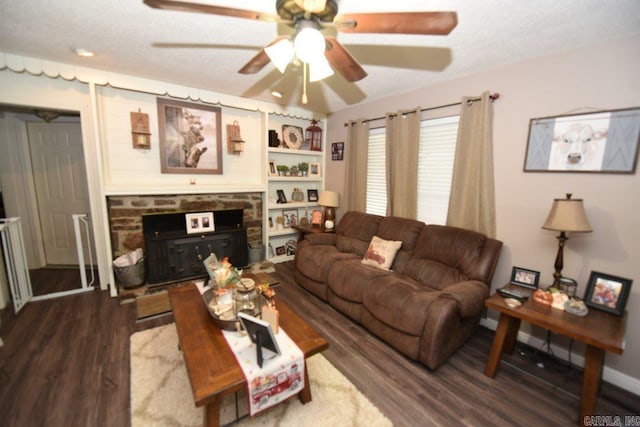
<point x="140" y="131"/>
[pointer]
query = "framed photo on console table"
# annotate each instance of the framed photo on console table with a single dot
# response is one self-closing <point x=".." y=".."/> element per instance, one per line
<point x="607" y="292"/>
<point x="526" y="278"/>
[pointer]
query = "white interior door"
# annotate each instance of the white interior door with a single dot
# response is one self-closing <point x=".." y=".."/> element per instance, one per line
<point x="61" y="186"/>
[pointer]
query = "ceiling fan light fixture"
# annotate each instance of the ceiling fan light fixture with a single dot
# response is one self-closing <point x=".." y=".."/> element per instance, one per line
<point x="313" y="6"/>
<point x="319" y="70"/>
<point x="280" y="53"/>
<point x="309" y="45"/>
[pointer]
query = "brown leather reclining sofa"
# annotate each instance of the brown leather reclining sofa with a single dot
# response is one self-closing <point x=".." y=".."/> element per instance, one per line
<point x="430" y="302"/>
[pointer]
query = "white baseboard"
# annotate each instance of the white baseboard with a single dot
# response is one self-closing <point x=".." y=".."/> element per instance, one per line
<point x="611" y="376"/>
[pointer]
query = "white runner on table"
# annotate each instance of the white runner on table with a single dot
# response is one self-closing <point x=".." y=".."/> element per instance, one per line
<point x="279" y="378"/>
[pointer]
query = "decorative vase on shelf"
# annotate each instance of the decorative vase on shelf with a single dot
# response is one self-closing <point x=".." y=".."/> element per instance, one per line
<point x="297" y="195"/>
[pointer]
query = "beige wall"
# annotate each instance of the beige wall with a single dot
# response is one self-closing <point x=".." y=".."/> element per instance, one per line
<point x="602" y="77"/>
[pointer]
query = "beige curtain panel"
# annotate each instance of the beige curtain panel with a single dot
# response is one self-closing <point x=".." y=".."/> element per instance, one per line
<point x="402" y="148"/>
<point x="356" y="152"/>
<point x="472" y="199"/>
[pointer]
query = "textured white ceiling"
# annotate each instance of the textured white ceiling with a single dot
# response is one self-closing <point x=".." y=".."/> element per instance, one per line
<point x="127" y="37"/>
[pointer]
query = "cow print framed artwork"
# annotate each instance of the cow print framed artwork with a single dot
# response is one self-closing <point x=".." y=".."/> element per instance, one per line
<point x="602" y="142"/>
<point x="190" y="137"/>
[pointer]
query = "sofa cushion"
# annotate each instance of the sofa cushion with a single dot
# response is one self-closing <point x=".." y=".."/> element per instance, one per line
<point x="315" y="261"/>
<point x="355" y="230"/>
<point x="349" y="279"/>
<point x="445" y="255"/>
<point x="404" y="229"/>
<point x="381" y="253"/>
<point x="400" y="302"/>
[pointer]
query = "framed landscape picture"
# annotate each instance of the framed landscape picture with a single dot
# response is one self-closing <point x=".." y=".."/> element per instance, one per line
<point x="190" y="137"/>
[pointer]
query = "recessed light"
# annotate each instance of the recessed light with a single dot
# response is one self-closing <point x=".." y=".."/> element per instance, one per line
<point x="85" y="53"/>
<point x="276" y="94"/>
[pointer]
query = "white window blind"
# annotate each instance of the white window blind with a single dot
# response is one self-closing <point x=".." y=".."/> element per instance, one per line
<point x="437" y="152"/>
<point x="376" y="174"/>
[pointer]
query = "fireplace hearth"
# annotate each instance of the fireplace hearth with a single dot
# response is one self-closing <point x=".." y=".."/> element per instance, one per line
<point x="173" y="254"/>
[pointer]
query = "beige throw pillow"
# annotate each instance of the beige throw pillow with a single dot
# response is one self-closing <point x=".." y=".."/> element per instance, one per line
<point x="381" y="253"/>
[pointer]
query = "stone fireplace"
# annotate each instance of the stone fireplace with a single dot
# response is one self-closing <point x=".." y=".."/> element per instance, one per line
<point x="126" y="212"/>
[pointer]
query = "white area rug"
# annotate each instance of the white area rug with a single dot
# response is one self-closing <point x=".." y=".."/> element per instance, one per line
<point x="161" y="393"/>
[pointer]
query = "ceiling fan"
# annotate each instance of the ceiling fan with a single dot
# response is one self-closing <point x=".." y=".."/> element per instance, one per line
<point x="308" y="17"/>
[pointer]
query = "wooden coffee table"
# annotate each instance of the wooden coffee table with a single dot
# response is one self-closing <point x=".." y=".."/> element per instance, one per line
<point x="212" y="367"/>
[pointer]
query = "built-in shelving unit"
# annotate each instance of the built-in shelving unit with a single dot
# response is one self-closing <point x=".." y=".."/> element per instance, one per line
<point x="279" y="235"/>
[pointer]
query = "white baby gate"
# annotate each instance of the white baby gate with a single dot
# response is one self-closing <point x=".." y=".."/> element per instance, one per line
<point x="18" y="269"/>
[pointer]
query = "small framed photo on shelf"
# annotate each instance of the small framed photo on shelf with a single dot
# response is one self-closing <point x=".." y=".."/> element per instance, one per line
<point x="316" y="218"/>
<point x="281" y="197"/>
<point x="524" y="277"/>
<point x="312" y="195"/>
<point x="314" y="169"/>
<point x="273" y="168"/>
<point x="201" y="222"/>
<point x="608" y="293"/>
<point x="280" y="250"/>
<point x="290" y="217"/>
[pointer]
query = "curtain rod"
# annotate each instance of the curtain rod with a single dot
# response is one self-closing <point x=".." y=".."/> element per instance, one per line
<point x="492" y="97"/>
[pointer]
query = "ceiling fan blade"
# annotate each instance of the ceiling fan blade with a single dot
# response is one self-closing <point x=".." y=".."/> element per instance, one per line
<point x="258" y="62"/>
<point x="426" y="23"/>
<point x="211" y="9"/>
<point x="342" y="61"/>
<point x="255" y="64"/>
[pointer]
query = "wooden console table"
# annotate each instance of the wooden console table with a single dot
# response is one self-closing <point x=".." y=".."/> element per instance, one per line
<point x="599" y="330"/>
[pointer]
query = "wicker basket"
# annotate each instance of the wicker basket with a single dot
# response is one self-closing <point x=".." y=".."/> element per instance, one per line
<point x="131" y="275"/>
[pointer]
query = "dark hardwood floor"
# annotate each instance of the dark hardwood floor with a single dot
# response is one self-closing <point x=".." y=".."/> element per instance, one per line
<point x="65" y="362"/>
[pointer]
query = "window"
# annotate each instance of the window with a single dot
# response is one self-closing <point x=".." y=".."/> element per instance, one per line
<point x="436" y="155"/>
<point x="437" y="152"/>
<point x="376" y="173"/>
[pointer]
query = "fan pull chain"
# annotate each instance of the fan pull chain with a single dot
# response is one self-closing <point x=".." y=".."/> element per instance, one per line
<point x="304" y="83"/>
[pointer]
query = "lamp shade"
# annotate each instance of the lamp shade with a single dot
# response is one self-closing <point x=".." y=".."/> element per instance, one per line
<point x="329" y="199"/>
<point x="309" y="45"/>
<point x="319" y="69"/>
<point x="567" y="215"/>
<point x="280" y="53"/>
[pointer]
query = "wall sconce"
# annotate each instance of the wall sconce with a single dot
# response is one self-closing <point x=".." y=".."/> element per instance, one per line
<point x="235" y="143"/>
<point x="313" y="136"/>
<point x="140" y="130"/>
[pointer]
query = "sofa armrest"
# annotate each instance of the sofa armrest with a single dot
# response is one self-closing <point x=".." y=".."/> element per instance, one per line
<point x="320" y="239"/>
<point x="469" y="296"/>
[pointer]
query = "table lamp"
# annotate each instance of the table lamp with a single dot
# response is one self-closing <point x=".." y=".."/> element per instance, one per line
<point x="329" y="199"/>
<point x="566" y="215"/>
